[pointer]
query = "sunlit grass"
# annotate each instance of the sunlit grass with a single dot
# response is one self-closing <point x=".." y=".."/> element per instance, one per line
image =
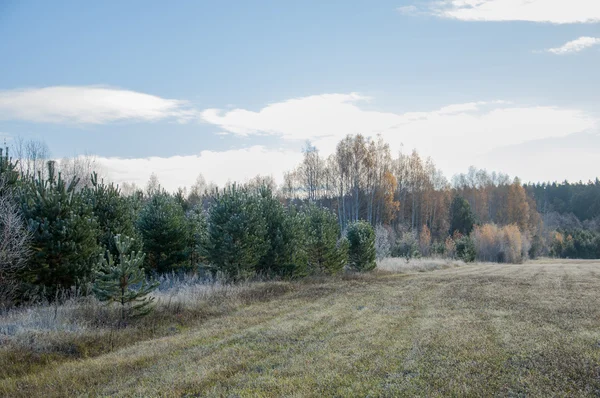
<point x="482" y="330"/>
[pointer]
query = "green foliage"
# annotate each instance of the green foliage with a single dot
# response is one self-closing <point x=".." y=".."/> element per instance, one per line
<point x="462" y="218"/>
<point x="361" y="246"/>
<point x="438" y="249"/>
<point x="407" y="247"/>
<point x="465" y="249"/>
<point x="8" y="170"/>
<point x="581" y="199"/>
<point x="64" y="233"/>
<point x="285" y="254"/>
<point x="237" y="233"/>
<point x="123" y="280"/>
<point x="576" y="243"/>
<point x="115" y="213"/>
<point x="164" y="229"/>
<point x="326" y="253"/>
<point x="197" y="234"/>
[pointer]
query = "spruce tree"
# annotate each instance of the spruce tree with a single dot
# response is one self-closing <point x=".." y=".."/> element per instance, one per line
<point x="237" y="233"/>
<point x="361" y="250"/>
<point x="164" y="231"/>
<point x="462" y="218"/>
<point x="64" y="233"/>
<point x="121" y="279"/>
<point x="326" y="252"/>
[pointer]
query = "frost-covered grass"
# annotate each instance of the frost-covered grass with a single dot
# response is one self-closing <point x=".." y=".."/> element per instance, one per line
<point x="81" y="327"/>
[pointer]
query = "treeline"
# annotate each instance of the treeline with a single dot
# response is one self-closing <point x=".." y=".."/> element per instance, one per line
<point x="63" y="227"/>
<point x="94" y="239"/>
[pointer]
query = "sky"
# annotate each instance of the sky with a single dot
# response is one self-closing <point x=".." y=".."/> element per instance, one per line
<point x="232" y="89"/>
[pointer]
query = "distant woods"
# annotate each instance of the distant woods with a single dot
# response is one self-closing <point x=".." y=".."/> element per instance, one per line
<point x="61" y="223"/>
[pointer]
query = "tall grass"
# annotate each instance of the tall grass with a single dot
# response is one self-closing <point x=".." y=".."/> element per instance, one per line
<point x="81" y="326"/>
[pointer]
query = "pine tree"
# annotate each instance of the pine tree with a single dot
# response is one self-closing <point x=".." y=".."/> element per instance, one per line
<point x="237" y="233"/>
<point x="123" y="281"/>
<point x="326" y="253"/>
<point x="163" y="227"/>
<point x="197" y="237"/>
<point x="115" y="214"/>
<point x="361" y="249"/>
<point x="63" y="230"/>
<point x="285" y="254"/>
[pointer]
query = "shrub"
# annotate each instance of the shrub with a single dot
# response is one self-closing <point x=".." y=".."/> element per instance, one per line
<point x="361" y="246"/>
<point x="425" y="241"/>
<point x="407" y="246"/>
<point x="383" y="246"/>
<point x="465" y="249"/>
<point x="500" y="244"/>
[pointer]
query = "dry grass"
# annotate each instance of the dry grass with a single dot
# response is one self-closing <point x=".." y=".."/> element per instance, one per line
<point x="482" y="330"/>
<point x="400" y="265"/>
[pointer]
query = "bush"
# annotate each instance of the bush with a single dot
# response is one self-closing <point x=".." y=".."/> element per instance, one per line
<point x="383" y="241"/>
<point x="361" y="249"/>
<point x="500" y="244"/>
<point x="407" y="247"/>
<point x="465" y="249"/>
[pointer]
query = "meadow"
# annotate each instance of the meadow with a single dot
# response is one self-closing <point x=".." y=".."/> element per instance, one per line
<point x="417" y="329"/>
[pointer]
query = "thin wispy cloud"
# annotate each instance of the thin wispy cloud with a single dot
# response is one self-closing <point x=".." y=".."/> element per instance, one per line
<point x="545" y="11"/>
<point x="88" y="105"/>
<point x="575" y="46"/>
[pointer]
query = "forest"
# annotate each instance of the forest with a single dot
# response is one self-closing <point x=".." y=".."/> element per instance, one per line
<point x="64" y="227"/>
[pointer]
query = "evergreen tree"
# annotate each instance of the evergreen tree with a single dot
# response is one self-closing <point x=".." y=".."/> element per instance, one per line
<point x="285" y="254"/>
<point x="326" y="253"/>
<point x="197" y="237"/>
<point x="237" y="233"/>
<point x="115" y="214"/>
<point x="462" y="218"/>
<point x="361" y="250"/>
<point x="123" y="280"/>
<point x="164" y="231"/>
<point x="63" y="230"/>
<point x="465" y="249"/>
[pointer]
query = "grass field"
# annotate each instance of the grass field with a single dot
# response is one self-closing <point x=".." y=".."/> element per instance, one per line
<point x="477" y="330"/>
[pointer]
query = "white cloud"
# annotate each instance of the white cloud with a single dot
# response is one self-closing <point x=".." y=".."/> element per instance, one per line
<point x="550" y="11"/>
<point x="455" y="136"/>
<point x="216" y="166"/>
<point x="88" y="105"/>
<point x="408" y="10"/>
<point x="575" y="46"/>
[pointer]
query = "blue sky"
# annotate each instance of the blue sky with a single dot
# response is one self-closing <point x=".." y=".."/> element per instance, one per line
<point x="231" y="88"/>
